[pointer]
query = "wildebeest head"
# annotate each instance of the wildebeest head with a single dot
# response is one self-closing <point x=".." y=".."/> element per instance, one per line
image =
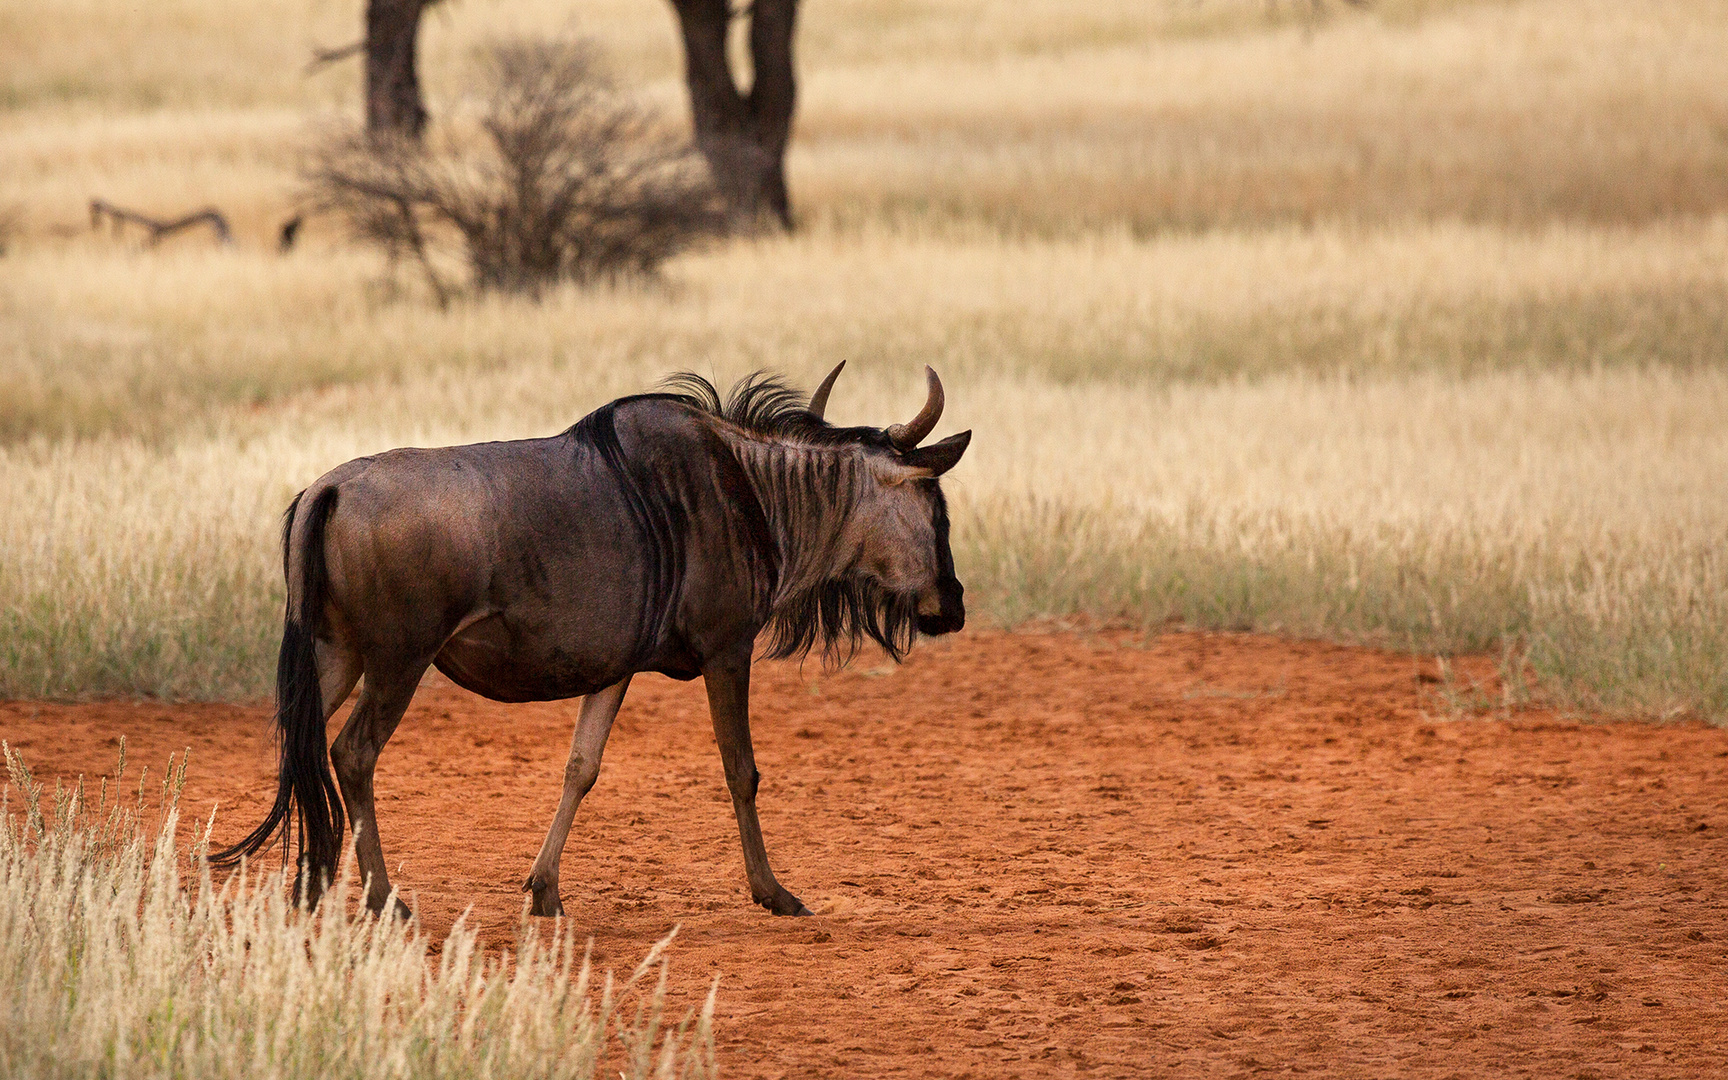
<point x="902" y="519"/>
<point x="858" y="513"/>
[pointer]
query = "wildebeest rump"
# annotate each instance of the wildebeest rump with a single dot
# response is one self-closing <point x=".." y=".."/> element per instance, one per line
<point x="664" y="532"/>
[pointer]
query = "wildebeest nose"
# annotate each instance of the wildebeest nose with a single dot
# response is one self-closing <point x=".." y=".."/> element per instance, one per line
<point x="946" y="621"/>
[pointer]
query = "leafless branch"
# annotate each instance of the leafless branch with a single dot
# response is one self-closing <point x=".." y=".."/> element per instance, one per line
<point x="416" y="243"/>
<point x="157" y="228"/>
<point x="323" y="57"/>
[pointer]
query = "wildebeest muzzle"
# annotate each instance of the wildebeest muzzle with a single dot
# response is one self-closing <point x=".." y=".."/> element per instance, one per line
<point x="950" y="613"/>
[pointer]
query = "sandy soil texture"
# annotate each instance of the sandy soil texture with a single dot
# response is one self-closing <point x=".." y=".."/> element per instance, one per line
<point x="1057" y="855"/>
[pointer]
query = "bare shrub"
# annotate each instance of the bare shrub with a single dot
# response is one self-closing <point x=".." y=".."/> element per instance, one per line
<point x="559" y="178"/>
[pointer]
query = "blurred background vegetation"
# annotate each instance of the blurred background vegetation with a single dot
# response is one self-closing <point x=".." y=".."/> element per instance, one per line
<point x="1400" y="324"/>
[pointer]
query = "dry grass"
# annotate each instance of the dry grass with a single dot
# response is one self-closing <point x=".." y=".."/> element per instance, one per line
<point x="1574" y="515"/>
<point x="1402" y="326"/>
<point x="1045" y="118"/>
<point x="255" y="55"/>
<point x="1519" y="114"/>
<point x="96" y="340"/>
<point x="1032" y="118"/>
<point x="116" y="967"/>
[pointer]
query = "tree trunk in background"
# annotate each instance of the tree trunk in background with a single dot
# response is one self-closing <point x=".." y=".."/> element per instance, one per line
<point x="743" y="136"/>
<point x="393" y="104"/>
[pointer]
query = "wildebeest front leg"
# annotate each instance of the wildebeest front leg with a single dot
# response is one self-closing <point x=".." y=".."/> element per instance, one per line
<point x="728" y="683"/>
<point x="595" y="723"/>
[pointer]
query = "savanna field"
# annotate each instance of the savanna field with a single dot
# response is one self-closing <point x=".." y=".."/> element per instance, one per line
<point x="1347" y="388"/>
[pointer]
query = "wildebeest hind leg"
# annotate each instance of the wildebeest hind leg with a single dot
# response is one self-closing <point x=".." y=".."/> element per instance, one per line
<point x="728" y="682"/>
<point x="383" y="700"/>
<point x="599" y="709"/>
<point x="338" y="671"/>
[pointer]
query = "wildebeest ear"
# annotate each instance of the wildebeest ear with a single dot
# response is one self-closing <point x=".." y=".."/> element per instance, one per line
<point x="938" y="457"/>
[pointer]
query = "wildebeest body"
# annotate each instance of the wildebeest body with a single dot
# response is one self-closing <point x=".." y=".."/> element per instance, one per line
<point x="661" y="533"/>
<point x="526" y="576"/>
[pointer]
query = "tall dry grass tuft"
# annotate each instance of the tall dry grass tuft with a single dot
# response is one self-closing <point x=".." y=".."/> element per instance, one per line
<point x="113" y="965"/>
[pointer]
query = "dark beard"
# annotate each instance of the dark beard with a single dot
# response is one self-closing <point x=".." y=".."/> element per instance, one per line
<point x="834" y="619"/>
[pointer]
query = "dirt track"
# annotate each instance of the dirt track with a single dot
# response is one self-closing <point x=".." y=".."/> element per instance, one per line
<point x="1060" y="855"/>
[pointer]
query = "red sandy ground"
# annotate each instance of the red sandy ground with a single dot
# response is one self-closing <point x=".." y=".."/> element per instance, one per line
<point x="1057" y="855"/>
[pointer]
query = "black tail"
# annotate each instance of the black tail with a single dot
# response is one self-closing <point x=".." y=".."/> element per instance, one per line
<point x="303" y="781"/>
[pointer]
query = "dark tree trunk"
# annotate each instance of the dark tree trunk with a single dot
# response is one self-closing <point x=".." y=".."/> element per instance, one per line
<point x="743" y="136"/>
<point x="393" y="105"/>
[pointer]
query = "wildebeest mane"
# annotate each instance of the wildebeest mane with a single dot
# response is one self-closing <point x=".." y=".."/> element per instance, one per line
<point x="763" y="404"/>
<point x="834" y="617"/>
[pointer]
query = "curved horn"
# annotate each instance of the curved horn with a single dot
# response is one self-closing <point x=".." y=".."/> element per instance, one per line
<point x="906" y="436"/>
<point x="819" y="400"/>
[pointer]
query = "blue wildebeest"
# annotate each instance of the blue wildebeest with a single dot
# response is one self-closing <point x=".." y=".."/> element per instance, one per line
<point x="664" y="532"/>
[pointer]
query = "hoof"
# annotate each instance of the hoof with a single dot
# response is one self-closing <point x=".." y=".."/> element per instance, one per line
<point x="784" y="903"/>
<point x="546" y="903"/>
<point x="392" y="905"/>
